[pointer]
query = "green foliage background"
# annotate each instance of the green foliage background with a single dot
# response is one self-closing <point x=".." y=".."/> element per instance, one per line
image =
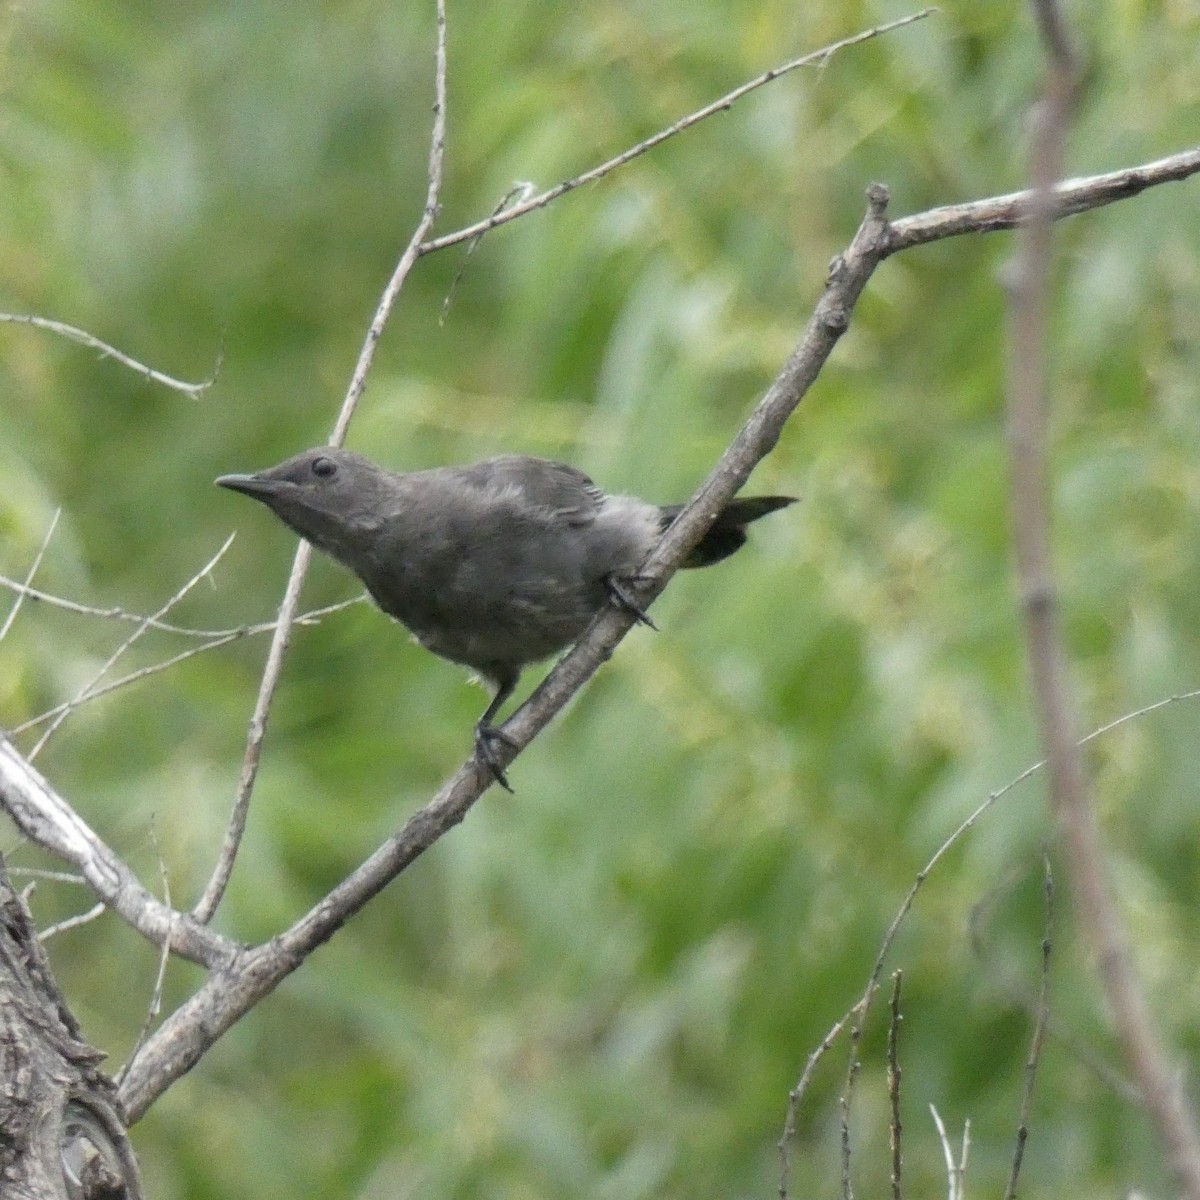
<point x="606" y="986"/>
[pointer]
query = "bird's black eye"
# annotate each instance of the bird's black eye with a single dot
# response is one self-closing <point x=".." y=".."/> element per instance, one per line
<point x="324" y="467"/>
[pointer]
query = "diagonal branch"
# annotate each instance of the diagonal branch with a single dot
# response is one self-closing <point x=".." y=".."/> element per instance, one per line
<point x="89" y="688"/>
<point x="191" y="1029"/>
<point x="46" y="818"/>
<point x="23" y="591"/>
<point x="185" y="1035"/>
<point x="815" y="58"/>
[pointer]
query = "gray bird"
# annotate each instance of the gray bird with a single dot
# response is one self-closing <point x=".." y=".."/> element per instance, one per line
<point x="494" y="565"/>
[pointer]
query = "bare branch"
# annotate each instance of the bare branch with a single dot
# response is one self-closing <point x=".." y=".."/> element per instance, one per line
<point x="894" y="1075"/>
<point x="1100" y="918"/>
<point x="437" y="156"/>
<point x="844" y="1116"/>
<point x="97" y="693"/>
<point x="206" y="906"/>
<point x="1067" y="198"/>
<point x="219" y="640"/>
<point x="1028" y="999"/>
<point x="796" y="1095"/>
<point x="37" y="562"/>
<point x="817" y="58"/>
<point x="960" y="1173"/>
<point x="956" y="1173"/>
<point x="44" y="817"/>
<point x="38" y="873"/>
<point x="74" y="922"/>
<point x="192" y="390"/>
<point x="858" y="1013"/>
<point x="947" y="1153"/>
<point x="23" y="590"/>
<point x="82" y="695"/>
<point x="1039" y="1034"/>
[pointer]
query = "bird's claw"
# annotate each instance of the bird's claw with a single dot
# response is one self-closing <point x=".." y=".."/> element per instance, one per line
<point x="487" y="736"/>
<point x="619" y="593"/>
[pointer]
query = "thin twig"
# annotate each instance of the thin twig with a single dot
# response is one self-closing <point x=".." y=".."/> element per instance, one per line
<point x="517" y="194"/>
<point x="46" y="819"/>
<point x="206" y="906"/>
<point x="864" y="1003"/>
<point x="72" y="922"/>
<point x="192" y="390"/>
<point x="858" y="1013"/>
<point x="121" y="614"/>
<point x="83" y="693"/>
<point x="893" y="1077"/>
<point x="797" y="1093"/>
<point x="223" y="639"/>
<point x="97" y="693"/>
<point x="947" y="1153"/>
<point x="156" y="994"/>
<point x="845" y="1107"/>
<point x="1027" y="999"/>
<point x="814" y="58"/>
<point x="960" y="1174"/>
<point x="1100" y="918"/>
<point x="37" y="562"/>
<point x="956" y="1173"/>
<point x="795" y="1096"/>
<point x="1039" y="1034"/>
<point x="40" y="873"/>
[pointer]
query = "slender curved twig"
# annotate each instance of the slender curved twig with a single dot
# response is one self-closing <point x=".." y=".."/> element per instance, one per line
<point x="192" y="390"/>
<point x="814" y="58"/>
<point x="37" y="562"/>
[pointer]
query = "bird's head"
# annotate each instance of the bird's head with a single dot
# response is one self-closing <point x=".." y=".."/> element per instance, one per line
<point x="325" y="495"/>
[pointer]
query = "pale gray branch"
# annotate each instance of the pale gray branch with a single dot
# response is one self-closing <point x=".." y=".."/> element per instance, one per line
<point x="89" y="688"/>
<point x="44" y="817"/>
<point x="37" y="562"/>
<point x="1101" y="922"/>
<point x="192" y="390"/>
<point x="24" y="591"/>
<point x="83" y="918"/>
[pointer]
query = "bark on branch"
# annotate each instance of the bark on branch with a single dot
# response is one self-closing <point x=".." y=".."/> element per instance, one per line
<point x="63" y="1134"/>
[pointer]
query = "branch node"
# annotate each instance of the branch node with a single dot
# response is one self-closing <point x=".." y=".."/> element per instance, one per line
<point x="879" y="196"/>
<point x="836" y="270"/>
<point x="835" y="318"/>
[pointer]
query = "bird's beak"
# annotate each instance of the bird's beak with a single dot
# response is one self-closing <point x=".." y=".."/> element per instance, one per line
<point x="261" y="487"/>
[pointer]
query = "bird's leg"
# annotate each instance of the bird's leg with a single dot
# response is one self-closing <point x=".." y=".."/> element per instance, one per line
<point x="619" y="593"/>
<point x="487" y="735"/>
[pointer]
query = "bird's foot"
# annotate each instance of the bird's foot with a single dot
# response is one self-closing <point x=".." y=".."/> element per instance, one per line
<point x="487" y="738"/>
<point x="620" y="595"/>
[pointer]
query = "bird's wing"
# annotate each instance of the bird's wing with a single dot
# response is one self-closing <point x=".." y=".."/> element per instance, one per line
<point x="554" y="488"/>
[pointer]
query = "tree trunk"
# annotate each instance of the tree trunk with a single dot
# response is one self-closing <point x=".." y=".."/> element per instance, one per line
<point x="61" y="1133"/>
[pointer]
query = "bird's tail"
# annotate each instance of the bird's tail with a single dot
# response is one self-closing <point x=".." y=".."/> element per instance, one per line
<point x="728" y="531"/>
